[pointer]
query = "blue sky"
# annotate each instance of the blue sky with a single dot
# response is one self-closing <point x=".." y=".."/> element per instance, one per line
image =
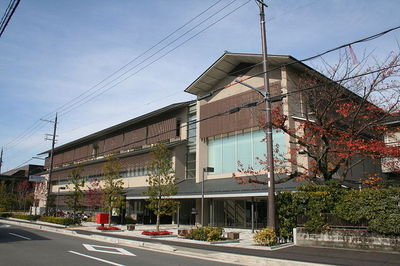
<point x="52" y="51"/>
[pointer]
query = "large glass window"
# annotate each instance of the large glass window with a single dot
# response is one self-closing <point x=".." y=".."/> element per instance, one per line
<point x="224" y="154"/>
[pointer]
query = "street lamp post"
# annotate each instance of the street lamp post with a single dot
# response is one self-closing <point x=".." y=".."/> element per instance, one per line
<point x="205" y="170"/>
<point x="58" y="198"/>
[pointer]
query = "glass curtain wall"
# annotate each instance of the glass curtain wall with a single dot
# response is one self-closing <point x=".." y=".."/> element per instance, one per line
<point x="225" y="153"/>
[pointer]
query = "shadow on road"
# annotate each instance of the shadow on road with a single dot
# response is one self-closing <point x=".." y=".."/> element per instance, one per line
<point x="10" y="234"/>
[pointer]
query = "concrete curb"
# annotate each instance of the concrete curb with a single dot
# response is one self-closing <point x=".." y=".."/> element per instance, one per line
<point x="212" y="256"/>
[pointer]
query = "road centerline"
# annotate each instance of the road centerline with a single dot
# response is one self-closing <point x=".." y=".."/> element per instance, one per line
<point x="24" y="237"/>
<point x="95" y="258"/>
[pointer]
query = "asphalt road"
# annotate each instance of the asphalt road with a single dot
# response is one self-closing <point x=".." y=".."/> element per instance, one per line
<point x="26" y="246"/>
<point x="331" y="256"/>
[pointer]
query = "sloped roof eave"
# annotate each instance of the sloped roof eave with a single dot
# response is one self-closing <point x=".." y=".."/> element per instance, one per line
<point x="119" y="126"/>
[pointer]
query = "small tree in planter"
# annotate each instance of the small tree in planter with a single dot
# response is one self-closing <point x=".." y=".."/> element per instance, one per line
<point x="161" y="184"/>
<point x="76" y="182"/>
<point x="112" y="187"/>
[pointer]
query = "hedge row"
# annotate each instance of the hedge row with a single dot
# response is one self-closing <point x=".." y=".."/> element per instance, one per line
<point x="26" y="217"/>
<point x="60" y="220"/>
<point x="49" y="219"/>
<point x="379" y="209"/>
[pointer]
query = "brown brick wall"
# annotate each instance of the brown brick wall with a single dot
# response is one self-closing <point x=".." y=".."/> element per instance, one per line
<point x="154" y="132"/>
<point x="135" y="138"/>
<point x="245" y="118"/>
<point x="160" y="131"/>
<point x="141" y="160"/>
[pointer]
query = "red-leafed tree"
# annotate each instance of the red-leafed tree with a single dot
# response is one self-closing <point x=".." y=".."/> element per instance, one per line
<point x="341" y="124"/>
<point x="24" y="191"/>
<point x="93" y="195"/>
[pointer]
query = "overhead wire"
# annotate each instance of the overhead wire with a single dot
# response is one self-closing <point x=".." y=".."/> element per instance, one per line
<point x="2" y="21"/>
<point x="8" y="14"/>
<point x="369" y="38"/>
<point x="230" y="111"/>
<point x="135" y="58"/>
<point x="366" y="39"/>
<point x="32" y="129"/>
<point x="104" y="88"/>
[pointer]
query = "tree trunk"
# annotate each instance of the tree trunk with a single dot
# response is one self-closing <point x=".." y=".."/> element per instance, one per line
<point x="109" y="214"/>
<point x="109" y="217"/>
<point x="158" y="215"/>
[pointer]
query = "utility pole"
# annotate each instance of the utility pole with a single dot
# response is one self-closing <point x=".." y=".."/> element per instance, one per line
<point x="1" y="158"/>
<point x="268" y="120"/>
<point x="51" y="162"/>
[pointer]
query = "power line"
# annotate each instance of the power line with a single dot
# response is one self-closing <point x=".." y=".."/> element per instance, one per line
<point x="236" y="109"/>
<point x="341" y="80"/>
<point x="366" y="39"/>
<point x="135" y="58"/>
<point x="228" y="111"/>
<point x="26" y="134"/>
<point x="104" y="88"/>
<point x="369" y="38"/>
<point x="22" y="164"/>
<point x="12" y="6"/>
<point x="64" y="109"/>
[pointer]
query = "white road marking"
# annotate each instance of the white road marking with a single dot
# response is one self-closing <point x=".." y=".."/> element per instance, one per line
<point x="119" y="251"/>
<point x="91" y="257"/>
<point x="5" y="225"/>
<point x="24" y="237"/>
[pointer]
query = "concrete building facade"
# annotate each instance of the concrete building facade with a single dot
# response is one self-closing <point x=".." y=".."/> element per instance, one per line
<point x="219" y="130"/>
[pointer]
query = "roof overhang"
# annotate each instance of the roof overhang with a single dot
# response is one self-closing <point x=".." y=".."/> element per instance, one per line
<point x="215" y="188"/>
<point x="120" y="126"/>
<point x="227" y="62"/>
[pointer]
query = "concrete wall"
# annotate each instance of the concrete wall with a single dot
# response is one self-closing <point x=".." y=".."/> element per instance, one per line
<point x="347" y="238"/>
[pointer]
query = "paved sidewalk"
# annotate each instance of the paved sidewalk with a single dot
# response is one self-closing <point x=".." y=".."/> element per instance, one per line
<point x="246" y="235"/>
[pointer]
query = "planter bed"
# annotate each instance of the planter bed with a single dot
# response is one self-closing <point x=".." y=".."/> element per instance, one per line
<point x="279" y="246"/>
<point x="228" y="241"/>
<point x="157" y="234"/>
<point x="160" y="236"/>
<point x="112" y="229"/>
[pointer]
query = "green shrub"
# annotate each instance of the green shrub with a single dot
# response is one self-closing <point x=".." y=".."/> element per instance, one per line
<point x="378" y="207"/>
<point x="265" y="237"/>
<point x="5" y="214"/>
<point x="387" y="224"/>
<point x="286" y="214"/>
<point x="206" y="233"/>
<point x="313" y="201"/>
<point x="60" y="220"/>
<point x="26" y="217"/>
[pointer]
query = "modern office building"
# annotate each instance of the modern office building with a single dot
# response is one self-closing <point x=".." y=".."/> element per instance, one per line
<point x="219" y="131"/>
